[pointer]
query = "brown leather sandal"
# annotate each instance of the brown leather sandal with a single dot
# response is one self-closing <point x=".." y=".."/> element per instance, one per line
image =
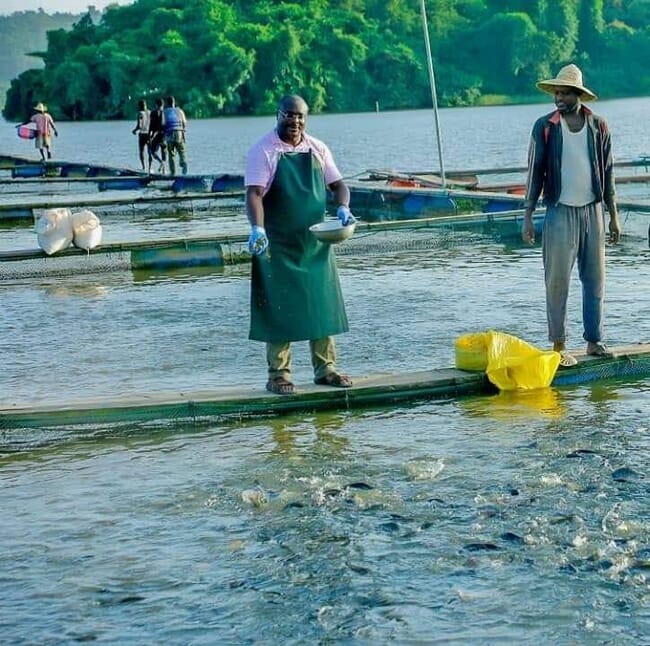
<point x="334" y="379"/>
<point x="280" y="386"/>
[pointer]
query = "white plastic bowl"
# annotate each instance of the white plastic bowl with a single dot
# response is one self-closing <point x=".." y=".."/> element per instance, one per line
<point x="332" y="231"/>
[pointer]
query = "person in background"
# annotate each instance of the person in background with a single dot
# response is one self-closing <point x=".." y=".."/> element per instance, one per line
<point x="295" y="290"/>
<point x="44" y="129"/>
<point x="570" y="161"/>
<point x="174" y="125"/>
<point x="157" y="136"/>
<point x="142" y="130"/>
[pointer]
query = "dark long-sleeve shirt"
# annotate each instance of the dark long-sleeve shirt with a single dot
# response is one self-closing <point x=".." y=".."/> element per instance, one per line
<point x="545" y="159"/>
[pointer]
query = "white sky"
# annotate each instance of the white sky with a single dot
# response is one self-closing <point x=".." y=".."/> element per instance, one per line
<point x="52" y="6"/>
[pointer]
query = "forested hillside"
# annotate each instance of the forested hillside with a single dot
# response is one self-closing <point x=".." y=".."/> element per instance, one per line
<point x="223" y="57"/>
<point x="22" y="33"/>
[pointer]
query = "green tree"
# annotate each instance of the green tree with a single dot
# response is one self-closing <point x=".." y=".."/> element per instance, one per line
<point x="239" y="56"/>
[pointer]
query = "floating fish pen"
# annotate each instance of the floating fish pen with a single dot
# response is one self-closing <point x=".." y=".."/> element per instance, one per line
<point x="390" y="194"/>
<point x="230" y="248"/>
<point x="375" y="202"/>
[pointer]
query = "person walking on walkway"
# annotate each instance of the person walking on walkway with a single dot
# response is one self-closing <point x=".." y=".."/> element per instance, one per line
<point x="142" y="130"/>
<point x="295" y="290"/>
<point x="157" y="136"/>
<point x="570" y="161"/>
<point x="175" y="124"/>
<point x="44" y="129"/>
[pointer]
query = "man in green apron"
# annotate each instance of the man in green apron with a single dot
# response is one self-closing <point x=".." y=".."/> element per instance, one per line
<point x="295" y="290"/>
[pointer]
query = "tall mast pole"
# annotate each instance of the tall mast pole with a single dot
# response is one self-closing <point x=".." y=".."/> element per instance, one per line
<point x="434" y="97"/>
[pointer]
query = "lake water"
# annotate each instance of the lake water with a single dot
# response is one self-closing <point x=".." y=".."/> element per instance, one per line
<point x="483" y="137"/>
<point x="517" y="518"/>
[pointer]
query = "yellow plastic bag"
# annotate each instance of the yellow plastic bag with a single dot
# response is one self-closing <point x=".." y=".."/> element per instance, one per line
<point x="511" y="363"/>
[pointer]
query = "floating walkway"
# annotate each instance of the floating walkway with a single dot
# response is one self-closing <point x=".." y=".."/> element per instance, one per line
<point x="377" y="390"/>
<point x="163" y="254"/>
<point x="640" y="206"/>
<point x="128" y="182"/>
<point x="218" y="250"/>
<point x="24" y="210"/>
<point x="25" y="167"/>
<point x="228" y="249"/>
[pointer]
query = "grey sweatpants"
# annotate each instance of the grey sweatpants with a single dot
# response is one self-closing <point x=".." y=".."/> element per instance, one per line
<point x="574" y="234"/>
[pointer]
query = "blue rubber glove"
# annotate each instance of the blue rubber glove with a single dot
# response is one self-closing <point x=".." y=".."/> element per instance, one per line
<point x="257" y="241"/>
<point x="344" y="214"/>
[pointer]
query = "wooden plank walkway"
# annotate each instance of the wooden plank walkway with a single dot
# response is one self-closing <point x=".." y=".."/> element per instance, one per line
<point x="376" y="390"/>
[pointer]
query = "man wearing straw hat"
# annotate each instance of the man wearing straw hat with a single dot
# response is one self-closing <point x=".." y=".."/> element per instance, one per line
<point x="44" y="129"/>
<point x="570" y="161"/>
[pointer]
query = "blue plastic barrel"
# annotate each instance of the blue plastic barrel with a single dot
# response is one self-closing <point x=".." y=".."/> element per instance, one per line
<point x="226" y="182"/>
<point x="74" y="170"/>
<point x="496" y="205"/>
<point x="122" y="183"/>
<point x="101" y="171"/>
<point x="191" y="183"/>
<point x="28" y="171"/>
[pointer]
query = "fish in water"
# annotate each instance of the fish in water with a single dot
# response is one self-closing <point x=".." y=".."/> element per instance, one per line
<point x="625" y="474"/>
<point x="360" y="485"/>
<point x="255" y="497"/>
<point x="481" y="547"/>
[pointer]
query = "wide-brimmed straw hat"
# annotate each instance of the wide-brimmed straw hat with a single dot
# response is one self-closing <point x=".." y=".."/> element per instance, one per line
<point x="568" y="76"/>
<point x="39" y="107"/>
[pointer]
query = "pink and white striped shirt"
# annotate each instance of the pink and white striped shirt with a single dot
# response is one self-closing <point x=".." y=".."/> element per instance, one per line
<point x="262" y="160"/>
<point x="44" y="123"/>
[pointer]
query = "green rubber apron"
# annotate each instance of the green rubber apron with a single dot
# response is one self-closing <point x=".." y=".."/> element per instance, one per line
<point x="295" y="290"/>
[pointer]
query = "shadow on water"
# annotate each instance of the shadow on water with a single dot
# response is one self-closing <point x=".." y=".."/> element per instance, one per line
<point x="287" y="433"/>
<point x="177" y="274"/>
